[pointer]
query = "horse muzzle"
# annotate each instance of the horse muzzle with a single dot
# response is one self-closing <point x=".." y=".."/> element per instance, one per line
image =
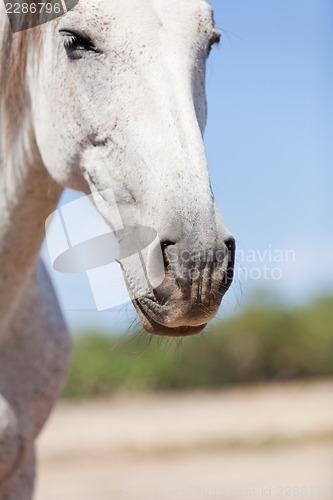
<point x="191" y="292"/>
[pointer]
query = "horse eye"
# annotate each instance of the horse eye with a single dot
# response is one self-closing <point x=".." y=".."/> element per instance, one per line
<point x="76" y="44"/>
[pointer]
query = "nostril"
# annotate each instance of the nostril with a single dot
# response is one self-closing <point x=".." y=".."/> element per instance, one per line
<point x="231" y="247"/>
<point x="165" y="245"/>
<point x="229" y="274"/>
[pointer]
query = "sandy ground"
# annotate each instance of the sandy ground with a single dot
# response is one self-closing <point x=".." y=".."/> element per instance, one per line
<point x="271" y="441"/>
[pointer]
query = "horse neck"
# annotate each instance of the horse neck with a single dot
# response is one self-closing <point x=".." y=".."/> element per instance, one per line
<point x="27" y="197"/>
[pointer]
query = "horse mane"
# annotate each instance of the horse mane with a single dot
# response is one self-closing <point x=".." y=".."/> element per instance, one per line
<point x="13" y="65"/>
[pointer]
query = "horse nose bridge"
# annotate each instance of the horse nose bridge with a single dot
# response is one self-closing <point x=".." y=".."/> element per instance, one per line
<point x="173" y="136"/>
<point x="185" y="193"/>
<point x="196" y="223"/>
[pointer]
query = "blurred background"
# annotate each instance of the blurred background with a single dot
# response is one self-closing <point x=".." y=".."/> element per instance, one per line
<point x="246" y="408"/>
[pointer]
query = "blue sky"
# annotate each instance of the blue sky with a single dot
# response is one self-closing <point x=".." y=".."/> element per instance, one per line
<point x="269" y="136"/>
<point x="269" y="144"/>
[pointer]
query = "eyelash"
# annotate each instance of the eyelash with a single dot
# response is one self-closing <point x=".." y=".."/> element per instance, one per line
<point x="70" y="40"/>
<point x="73" y="42"/>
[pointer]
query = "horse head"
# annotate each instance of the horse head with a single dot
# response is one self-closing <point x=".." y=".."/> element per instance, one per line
<point x="118" y="104"/>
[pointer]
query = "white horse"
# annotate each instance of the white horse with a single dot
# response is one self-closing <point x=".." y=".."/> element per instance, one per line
<point x="110" y="95"/>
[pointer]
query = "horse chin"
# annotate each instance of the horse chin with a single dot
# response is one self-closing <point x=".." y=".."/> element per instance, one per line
<point x="153" y="327"/>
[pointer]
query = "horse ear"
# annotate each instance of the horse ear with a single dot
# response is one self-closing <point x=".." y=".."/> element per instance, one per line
<point x="24" y="14"/>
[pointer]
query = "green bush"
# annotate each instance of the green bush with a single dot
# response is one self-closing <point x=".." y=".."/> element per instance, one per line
<point x="262" y="344"/>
